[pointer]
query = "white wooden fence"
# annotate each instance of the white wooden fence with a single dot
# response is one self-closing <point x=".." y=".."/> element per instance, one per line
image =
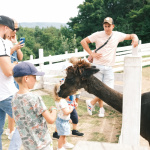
<point x="57" y="61"/>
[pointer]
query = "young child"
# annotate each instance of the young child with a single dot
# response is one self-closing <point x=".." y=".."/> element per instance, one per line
<point x="74" y="115"/>
<point x="62" y="121"/>
<point x="29" y="111"/>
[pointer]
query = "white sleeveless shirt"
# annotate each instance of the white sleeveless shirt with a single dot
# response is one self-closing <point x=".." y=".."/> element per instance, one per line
<point x="7" y="86"/>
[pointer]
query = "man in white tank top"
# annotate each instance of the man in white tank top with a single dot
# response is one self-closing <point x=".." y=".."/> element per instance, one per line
<point x="7" y="86"/>
<point x="104" y="59"/>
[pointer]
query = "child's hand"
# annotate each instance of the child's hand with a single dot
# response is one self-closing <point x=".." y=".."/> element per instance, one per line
<point x="52" y="108"/>
<point x="70" y="121"/>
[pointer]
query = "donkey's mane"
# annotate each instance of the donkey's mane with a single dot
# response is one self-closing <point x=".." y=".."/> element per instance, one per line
<point x="79" y="67"/>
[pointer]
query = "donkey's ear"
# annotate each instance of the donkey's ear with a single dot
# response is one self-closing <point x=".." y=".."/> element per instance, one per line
<point x="89" y="71"/>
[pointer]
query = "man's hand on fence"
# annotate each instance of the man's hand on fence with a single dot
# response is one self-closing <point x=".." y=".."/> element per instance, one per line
<point x="135" y="40"/>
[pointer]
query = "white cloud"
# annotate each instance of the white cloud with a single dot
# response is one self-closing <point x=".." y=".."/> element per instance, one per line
<point x="40" y="10"/>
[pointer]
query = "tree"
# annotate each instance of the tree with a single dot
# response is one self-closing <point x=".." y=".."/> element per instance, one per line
<point x="92" y="13"/>
<point x="140" y="22"/>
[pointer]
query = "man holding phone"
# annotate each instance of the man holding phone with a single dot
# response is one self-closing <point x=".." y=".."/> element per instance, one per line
<point x="16" y="52"/>
<point x="7" y="86"/>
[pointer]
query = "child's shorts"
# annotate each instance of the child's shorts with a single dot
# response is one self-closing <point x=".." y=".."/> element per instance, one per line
<point x="63" y="126"/>
<point x="74" y="116"/>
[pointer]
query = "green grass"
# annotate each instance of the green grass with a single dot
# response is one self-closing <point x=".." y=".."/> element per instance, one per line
<point x="48" y="100"/>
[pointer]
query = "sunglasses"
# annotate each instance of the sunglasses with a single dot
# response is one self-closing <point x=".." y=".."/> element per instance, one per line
<point x="16" y="29"/>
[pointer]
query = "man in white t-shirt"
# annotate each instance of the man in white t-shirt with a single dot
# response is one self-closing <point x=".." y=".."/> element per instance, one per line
<point x="7" y="86"/>
<point x="104" y="59"/>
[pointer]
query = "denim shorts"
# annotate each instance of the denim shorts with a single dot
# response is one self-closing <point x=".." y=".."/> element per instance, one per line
<point x="63" y="126"/>
<point x="106" y="75"/>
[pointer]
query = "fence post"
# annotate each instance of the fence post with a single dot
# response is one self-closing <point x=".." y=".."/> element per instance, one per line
<point x="41" y="64"/>
<point x="84" y="52"/>
<point x="131" y="100"/>
<point x="50" y="62"/>
<point x="31" y="57"/>
<point x="140" y="42"/>
<point x="76" y="50"/>
<point x="41" y="58"/>
<point x="66" y="52"/>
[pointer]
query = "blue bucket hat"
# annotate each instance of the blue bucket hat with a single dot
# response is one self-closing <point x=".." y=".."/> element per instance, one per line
<point x="26" y="68"/>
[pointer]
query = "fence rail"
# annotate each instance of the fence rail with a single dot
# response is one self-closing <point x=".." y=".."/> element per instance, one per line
<point x="57" y="61"/>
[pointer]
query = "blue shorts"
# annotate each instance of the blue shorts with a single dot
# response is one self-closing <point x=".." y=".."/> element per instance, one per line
<point x="63" y="126"/>
<point x="106" y="75"/>
<point x="74" y="116"/>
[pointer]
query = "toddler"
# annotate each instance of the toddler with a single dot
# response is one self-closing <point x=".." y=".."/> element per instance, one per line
<point x="62" y="121"/>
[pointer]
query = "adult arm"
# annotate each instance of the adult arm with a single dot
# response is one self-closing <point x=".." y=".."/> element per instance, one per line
<point x="17" y="48"/>
<point x="6" y="65"/>
<point x="134" y="39"/>
<point x="85" y="46"/>
<point x="19" y="54"/>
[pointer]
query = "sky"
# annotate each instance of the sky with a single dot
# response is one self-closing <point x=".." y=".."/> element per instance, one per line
<point x="40" y="10"/>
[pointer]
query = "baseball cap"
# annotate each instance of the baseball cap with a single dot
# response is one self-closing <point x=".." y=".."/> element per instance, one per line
<point x="108" y="20"/>
<point x="26" y="68"/>
<point x="4" y="20"/>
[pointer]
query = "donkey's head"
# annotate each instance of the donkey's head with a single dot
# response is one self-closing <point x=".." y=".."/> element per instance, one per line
<point x="77" y="77"/>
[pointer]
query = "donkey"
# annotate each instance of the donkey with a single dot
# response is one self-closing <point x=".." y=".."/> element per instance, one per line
<point x="81" y="76"/>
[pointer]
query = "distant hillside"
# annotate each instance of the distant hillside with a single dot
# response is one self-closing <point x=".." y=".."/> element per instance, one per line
<point x="42" y="24"/>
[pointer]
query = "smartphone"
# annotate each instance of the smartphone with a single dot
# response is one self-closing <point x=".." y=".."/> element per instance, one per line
<point x="23" y="40"/>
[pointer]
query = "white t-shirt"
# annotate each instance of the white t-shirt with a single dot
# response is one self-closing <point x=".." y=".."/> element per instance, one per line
<point x="7" y="86"/>
<point x="60" y="105"/>
<point x="109" y="50"/>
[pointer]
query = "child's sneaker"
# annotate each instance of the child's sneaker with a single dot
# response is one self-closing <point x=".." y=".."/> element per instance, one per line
<point x="90" y="107"/>
<point x="68" y="145"/>
<point x="76" y="132"/>
<point x="101" y="112"/>
<point x="55" y="135"/>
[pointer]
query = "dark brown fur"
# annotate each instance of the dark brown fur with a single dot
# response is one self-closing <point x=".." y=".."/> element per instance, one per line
<point x="81" y="76"/>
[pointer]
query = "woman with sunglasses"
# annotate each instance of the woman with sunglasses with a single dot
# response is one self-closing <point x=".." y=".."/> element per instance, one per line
<point x="16" y="53"/>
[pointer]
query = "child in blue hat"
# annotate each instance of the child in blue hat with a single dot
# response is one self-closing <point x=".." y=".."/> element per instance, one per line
<point x="29" y="111"/>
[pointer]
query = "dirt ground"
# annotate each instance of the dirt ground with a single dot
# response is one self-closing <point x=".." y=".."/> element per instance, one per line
<point x="105" y="129"/>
